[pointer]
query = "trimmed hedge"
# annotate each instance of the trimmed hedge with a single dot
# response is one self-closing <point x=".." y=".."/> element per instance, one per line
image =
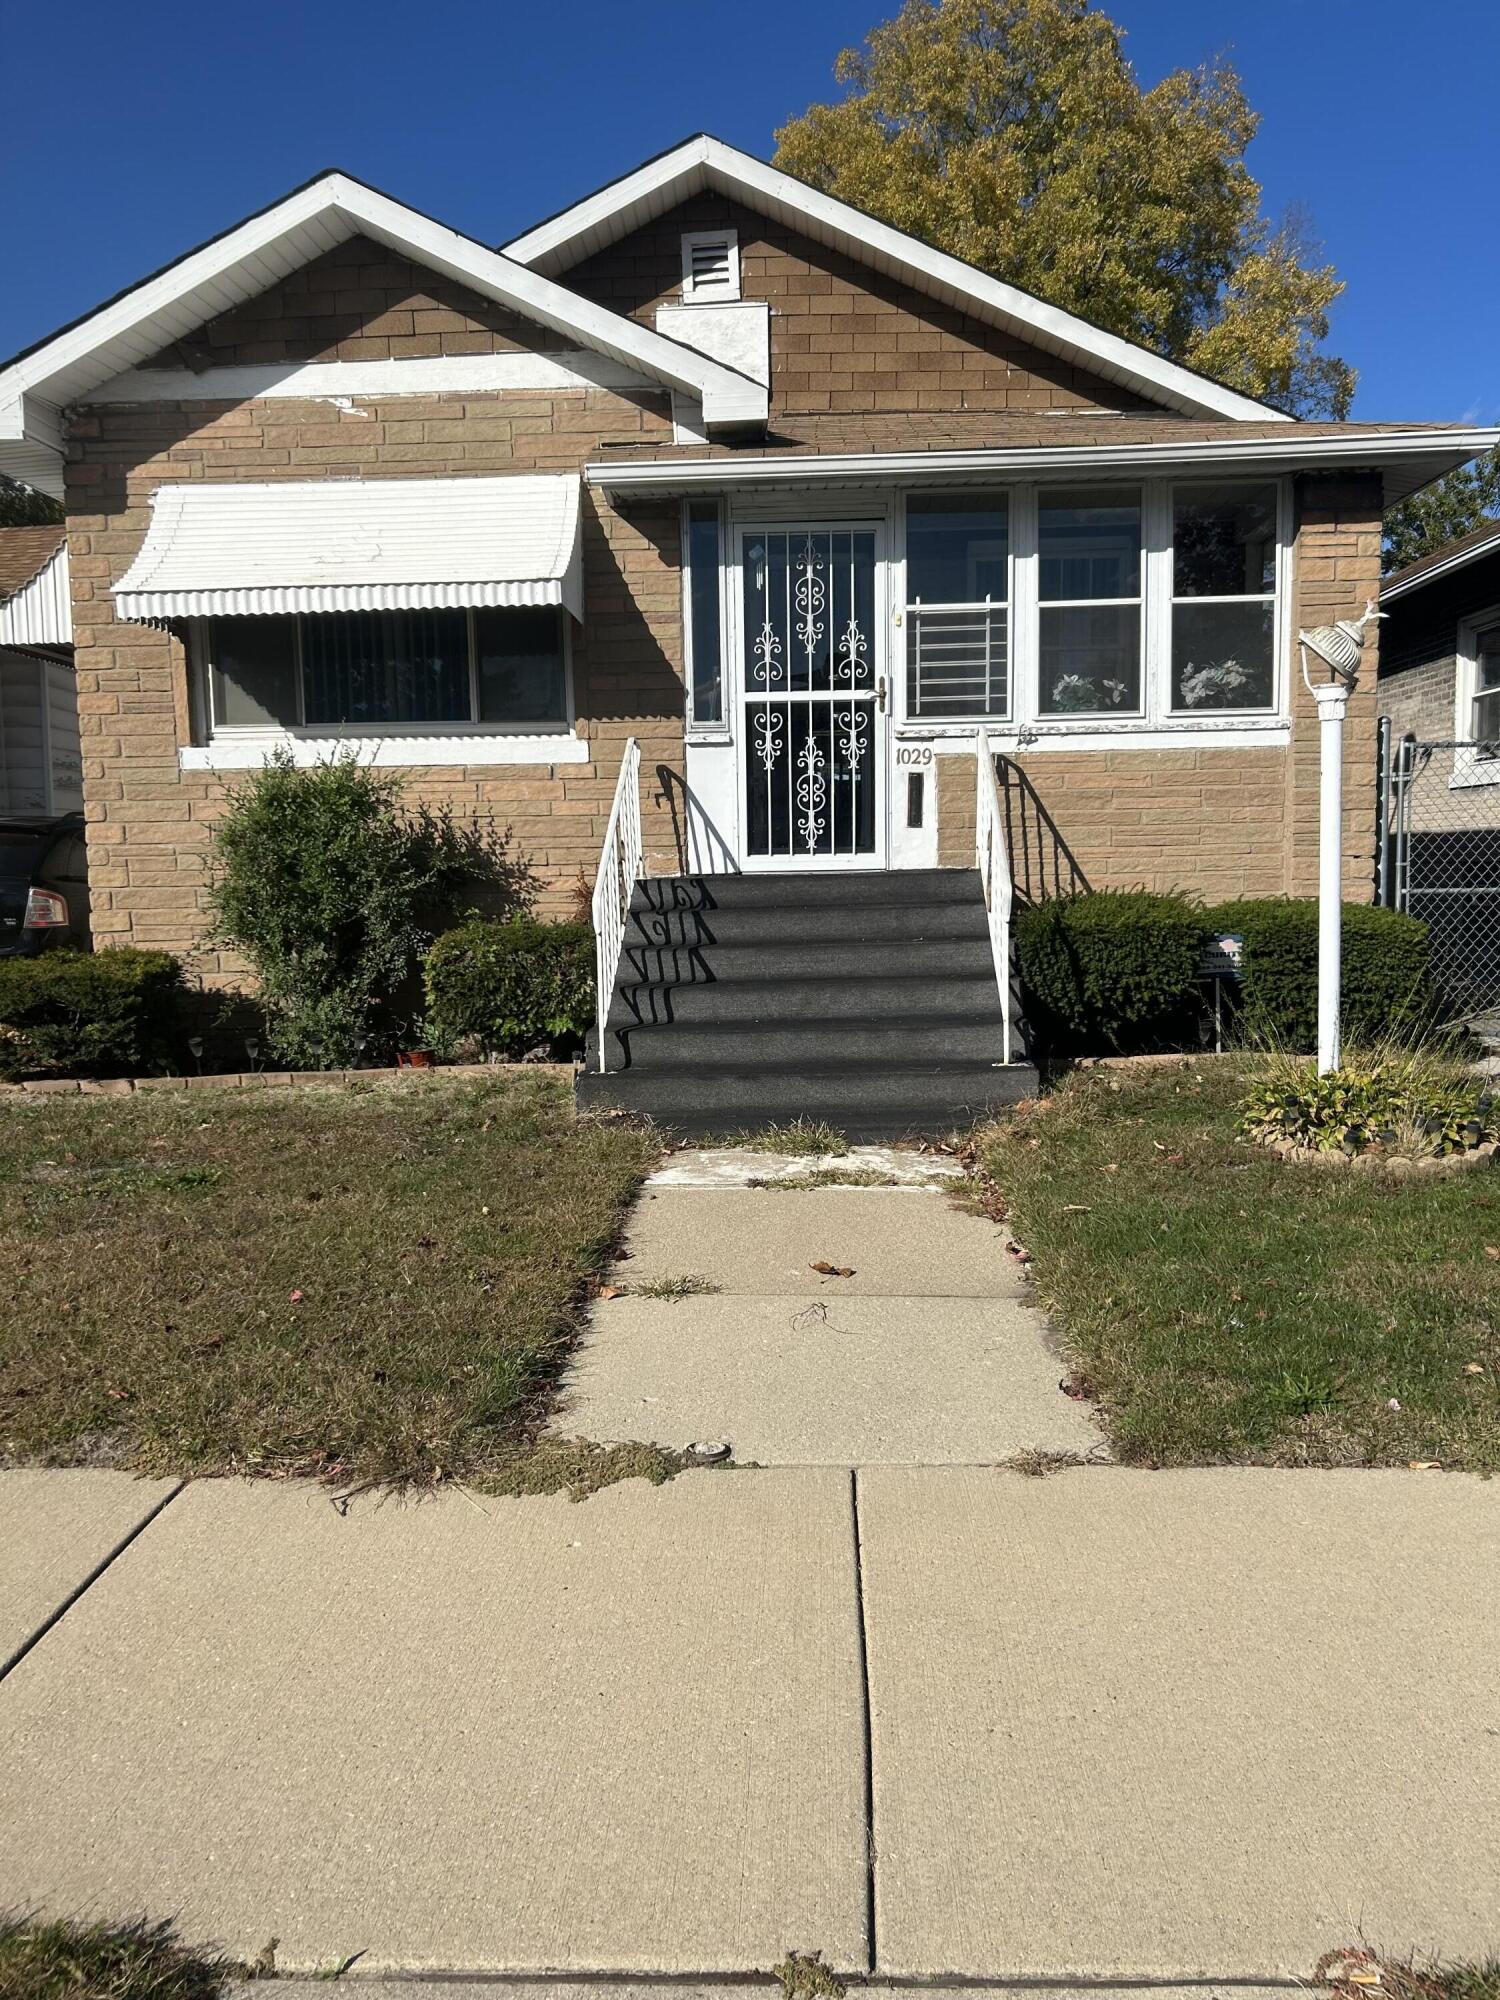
<point x="511" y="988"/>
<point x="1386" y="985"/>
<point x="1111" y="969"/>
<point x="81" y="1013"/>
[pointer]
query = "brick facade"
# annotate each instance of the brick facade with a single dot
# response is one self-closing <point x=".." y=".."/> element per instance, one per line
<point x="1419" y="667"/>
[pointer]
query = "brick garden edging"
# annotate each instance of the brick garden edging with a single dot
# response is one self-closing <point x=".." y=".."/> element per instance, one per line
<point x="280" y="1079"/>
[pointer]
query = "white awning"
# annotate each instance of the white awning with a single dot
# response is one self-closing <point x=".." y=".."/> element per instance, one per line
<point x="357" y="545"/>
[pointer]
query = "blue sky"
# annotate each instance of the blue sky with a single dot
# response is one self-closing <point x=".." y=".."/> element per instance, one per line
<point x="136" y="132"/>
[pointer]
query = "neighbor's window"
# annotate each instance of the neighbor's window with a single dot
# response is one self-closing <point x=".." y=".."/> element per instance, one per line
<point x="1223" y="598"/>
<point x="957" y="606"/>
<point x="367" y="670"/>
<point x="705" y="614"/>
<point x="1089" y="549"/>
<point x="1485" y="721"/>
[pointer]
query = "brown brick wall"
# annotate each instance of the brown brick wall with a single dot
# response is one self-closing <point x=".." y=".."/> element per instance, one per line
<point x="149" y="822"/>
<point x="359" y="302"/>
<point x="844" y="337"/>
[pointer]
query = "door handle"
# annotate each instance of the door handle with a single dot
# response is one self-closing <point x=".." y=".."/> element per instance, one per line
<point x="880" y="694"/>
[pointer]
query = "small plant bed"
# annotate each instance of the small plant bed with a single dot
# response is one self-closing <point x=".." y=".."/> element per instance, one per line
<point x="366" y="1283"/>
<point x="1222" y="1309"/>
<point x="1404" y="1111"/>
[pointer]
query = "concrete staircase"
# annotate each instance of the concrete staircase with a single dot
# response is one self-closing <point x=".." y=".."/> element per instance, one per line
<point x="868" y="1000"/>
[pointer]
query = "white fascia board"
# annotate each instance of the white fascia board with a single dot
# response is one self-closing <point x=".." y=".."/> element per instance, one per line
<point x="1491" y="547"/>
<point x="228" y="271"/>
<point x="1297" y="452"/>
<point x="704" y="160"/>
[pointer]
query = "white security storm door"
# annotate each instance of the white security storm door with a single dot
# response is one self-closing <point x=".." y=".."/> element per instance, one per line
<point x="813" y="695"/>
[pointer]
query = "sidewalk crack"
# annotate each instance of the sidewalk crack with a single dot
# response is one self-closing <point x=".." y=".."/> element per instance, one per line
<point x="871" y="1850"/>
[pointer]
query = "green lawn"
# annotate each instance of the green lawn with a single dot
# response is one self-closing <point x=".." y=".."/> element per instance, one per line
<point x="363" y="1283"/>
<point x="1224" y="1305"/>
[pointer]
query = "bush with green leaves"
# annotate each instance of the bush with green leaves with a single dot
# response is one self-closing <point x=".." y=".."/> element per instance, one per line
<point x="512" y="988"/>
<point x="1386" y="984"/>
<point x="1111" y="970"/>
<point x="333" y="889"/>
<point x="1390" y="1099"/>
<point x="81" y="1013"/>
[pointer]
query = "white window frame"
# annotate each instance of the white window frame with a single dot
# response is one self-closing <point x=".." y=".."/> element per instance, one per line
<point x="713" y="295"/>
<point x="721" y="731"/>
<point x="1469" y="768"/>
<point x="244" y="746"/>
<point x="900" y="665"/>
<point x="1271" y="597"/>
<point x="1156" y="725"/>
<point x="1143" y="695"/>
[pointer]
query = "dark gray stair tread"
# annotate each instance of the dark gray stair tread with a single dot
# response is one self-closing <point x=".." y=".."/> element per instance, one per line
<point x="642" y="964"/>
<point x="897" y="885"/>
<point x="855" y="997"/>
<point x="873" y="923"/>
<point x="775" y="1045"/>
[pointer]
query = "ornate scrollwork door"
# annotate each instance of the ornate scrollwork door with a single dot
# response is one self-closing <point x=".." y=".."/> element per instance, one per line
<point x="813" y="721"/>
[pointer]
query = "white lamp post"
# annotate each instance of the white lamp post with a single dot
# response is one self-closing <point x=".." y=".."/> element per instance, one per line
<point x="1338" y="647"/>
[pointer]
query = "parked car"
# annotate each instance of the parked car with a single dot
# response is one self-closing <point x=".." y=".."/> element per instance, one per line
<point x="44" y="885"/>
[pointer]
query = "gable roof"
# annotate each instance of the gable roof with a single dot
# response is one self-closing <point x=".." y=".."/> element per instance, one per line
<point x="255" y="254"/>
<point x="704" y="162"/>
<point x="1457" y="554"/>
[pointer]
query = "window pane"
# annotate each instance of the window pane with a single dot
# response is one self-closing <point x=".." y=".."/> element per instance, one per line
<point x="1487" y="722"/>
<point x="1090" y="544"/>
<point x="957" y="662"/>
<point x="521" y="676"/>
<point x="1091" y="660"/>
<point x="1222" y="656"/>
<point x="1223" y="541"/>
<point x="956" y="549"/>
<point x="373" y="668"/>
<point x="703" y="603"/>
<point x="254" y="672"/>
<point x="1487" y="660"/>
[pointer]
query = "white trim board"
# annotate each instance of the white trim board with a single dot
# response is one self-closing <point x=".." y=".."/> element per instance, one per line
<point x="338" y="381"/>
<point x="704" y="162"/>
<point x="248" y="259"/>
<point x="248" y="750"/>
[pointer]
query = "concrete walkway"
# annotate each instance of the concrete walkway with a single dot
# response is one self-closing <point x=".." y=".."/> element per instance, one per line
<point x="918" y="1348"/>
<point x="881" y="1697"/>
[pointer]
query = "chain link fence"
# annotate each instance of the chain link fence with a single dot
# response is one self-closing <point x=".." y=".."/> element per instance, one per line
<point x="1439" y="857"/>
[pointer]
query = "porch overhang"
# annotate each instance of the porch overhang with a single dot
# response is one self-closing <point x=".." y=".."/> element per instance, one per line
<point x="1407" y="458"/>
<point x="218" y="550"/>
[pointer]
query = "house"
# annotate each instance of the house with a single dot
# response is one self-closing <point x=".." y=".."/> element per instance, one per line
<point x="41" y="766"/>
<point x="1439" y="692"/>
<point x="870" y="566"/>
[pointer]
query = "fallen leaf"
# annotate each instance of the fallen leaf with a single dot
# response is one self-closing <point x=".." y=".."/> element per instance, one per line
<point x="1492" y="1251"/>
<point x="1424" y="1465"/>
<point x="1175" y="1159"/>
<point x="1473" y="1368"/>
<point x="610" y="1292"/>
<point x="832" y="1270"/>
<point x="1112" y="1167"/>
<point x="118" y="1395"/>
<point x="296" y="1295"/>
<point x="210" y="1346"/>
<point x="1076" y="1208"/>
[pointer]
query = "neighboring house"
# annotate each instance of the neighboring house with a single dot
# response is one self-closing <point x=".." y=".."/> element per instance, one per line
<point x="712" y="461"/>
<point x="41" y="769"/>
<point x="1440" y="690"/>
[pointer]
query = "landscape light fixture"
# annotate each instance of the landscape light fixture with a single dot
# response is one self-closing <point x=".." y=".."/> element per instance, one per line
<point x="1338" y="647"/>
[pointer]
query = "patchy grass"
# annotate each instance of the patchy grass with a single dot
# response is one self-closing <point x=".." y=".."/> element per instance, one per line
<point x="802" y="1135"/>
<point x="368" y="1284"/>
<point x="105" y="1961"/>
<point x="804" y="1976"/>
<point x="825" y="1177"/>
<point x="691" y="1285"/>
<point x="1362" y="1974"/>
<point x="1222" y="1304"/>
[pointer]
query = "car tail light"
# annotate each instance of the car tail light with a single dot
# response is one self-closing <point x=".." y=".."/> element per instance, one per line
<point x="45" y="911"/>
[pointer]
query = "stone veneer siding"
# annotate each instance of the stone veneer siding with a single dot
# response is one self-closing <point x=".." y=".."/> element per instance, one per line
<point x="149" y="821"/>
<point x="1231" y="822"/>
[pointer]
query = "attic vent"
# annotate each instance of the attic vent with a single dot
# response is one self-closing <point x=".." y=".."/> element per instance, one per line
<point x="710" y="266"/>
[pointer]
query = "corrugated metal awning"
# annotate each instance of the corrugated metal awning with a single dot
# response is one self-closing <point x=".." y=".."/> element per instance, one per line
<point x="357" y="545"/>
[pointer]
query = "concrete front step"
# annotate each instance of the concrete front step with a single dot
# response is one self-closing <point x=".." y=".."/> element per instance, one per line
<point x="850" y="958"/>
<point x="880" y="1043"/>
<point x="814" y="923"/>
<point x="864" y="1102"/>
<point x="857" y="995"/>
<point x="722" y="892"/>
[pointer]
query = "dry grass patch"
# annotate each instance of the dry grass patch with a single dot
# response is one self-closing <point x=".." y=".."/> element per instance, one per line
<point x="133" y="1960"/>
<point x="362" y="1283"/>
<point x="1223" y="1305"/>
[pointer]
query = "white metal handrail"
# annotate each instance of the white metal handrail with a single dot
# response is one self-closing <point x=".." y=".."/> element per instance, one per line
<point x="993" y="859"/>
<point x="619" y="867"/>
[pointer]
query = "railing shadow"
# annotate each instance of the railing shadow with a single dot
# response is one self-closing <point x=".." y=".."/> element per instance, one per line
<point x="1042" y="865"/>
<point x="700" y="846"/>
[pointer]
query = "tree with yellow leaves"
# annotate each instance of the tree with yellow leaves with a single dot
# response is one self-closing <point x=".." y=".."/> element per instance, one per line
<point x="1014" y="134"/>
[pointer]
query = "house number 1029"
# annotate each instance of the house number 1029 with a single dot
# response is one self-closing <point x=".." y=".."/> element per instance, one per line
<point x="914" y="753"/>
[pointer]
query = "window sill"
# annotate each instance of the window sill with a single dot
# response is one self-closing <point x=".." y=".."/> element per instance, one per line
<point x="1225" y="732"/>
<point x="1473" y="771"/>
<point x="249" y="750"/>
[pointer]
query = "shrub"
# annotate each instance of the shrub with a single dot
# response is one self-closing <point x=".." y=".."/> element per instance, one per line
<point x="332" y="891"/>
<point x="1386" y="983"/>
<point x="512" y="988"/>
<point x="81" y="1013"/>
<point x="1110" y="969"/>
<point x="1403" y="1100"/>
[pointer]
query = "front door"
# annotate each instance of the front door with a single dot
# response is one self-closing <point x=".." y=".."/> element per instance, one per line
<point x="812" y="732"/>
